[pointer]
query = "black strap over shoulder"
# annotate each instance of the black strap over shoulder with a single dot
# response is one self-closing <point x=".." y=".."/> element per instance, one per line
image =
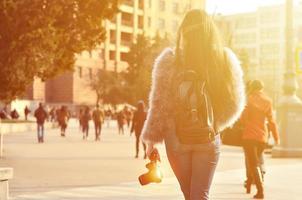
<point x="193" y="110"/>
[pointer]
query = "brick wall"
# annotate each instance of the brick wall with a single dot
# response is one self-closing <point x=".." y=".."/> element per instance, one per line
<point x="82" y="93"/>
<point x="60" y="89"/>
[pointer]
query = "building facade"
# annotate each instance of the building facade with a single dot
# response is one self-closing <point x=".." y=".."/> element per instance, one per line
<point x="261" y="34"/>
<point x="135" y="17"/>
<point x="141" y="16"/>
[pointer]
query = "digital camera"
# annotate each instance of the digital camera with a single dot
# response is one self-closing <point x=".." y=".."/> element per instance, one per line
<point x="154" y="174"/>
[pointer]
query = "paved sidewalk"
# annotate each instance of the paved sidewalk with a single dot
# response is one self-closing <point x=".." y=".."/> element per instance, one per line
<point x="283" y="182"/>
<point x="72" y="169"/>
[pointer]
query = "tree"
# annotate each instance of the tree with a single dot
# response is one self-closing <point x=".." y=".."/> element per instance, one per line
<point x="41" y="38"/>
<point x="108" y="87"/>
<point x="140" y="62"/>
<point x="137" y="73"/>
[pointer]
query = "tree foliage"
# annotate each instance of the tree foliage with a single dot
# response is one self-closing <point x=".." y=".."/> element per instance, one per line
<point x="140" y="62"/>
<point x="133" y="84"/>
<point x="40" y="38"/>
<point x="108" y="87"/>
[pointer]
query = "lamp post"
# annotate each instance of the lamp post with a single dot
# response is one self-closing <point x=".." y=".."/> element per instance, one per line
<point x="289" y="111"/>
<point x="290" y="85"/>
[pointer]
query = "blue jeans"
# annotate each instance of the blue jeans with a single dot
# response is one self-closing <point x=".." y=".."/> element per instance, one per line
<point x="193" y="165"/>
<point x="40" y="128"/>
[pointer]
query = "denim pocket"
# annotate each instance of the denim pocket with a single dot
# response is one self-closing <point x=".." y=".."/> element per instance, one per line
<point x="173" y="144"/>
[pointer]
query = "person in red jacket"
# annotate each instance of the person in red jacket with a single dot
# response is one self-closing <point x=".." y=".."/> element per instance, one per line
<point x="257" y="114"/>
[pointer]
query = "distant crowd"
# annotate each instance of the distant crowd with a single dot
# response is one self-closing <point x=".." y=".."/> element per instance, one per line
<point x="129" y="118"/>
<point x="5" y="114"/>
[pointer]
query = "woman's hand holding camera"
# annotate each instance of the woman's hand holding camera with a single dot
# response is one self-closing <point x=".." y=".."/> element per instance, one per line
<point x="150" y="148"/>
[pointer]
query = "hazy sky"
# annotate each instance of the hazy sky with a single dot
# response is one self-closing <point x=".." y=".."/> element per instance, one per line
<point x="237" y="6"/>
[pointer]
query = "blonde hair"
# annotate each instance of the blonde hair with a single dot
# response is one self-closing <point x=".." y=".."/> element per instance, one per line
<point x="202" y="50"/>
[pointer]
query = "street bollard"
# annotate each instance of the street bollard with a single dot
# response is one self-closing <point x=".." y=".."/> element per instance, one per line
<point x="289" y="118"/>
<point x="5" y="175"/>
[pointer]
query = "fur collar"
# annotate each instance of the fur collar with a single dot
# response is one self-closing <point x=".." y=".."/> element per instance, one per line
<point x="158" y="121"/>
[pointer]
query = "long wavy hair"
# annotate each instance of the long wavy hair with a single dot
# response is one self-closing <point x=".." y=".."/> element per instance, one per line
<point x="199" y="47"/>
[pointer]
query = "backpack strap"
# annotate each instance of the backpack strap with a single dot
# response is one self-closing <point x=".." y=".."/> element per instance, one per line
<point x="211" y="118"/>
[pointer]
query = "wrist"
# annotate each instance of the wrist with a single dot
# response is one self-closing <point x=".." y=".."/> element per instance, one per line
<point x="150" y="144"/>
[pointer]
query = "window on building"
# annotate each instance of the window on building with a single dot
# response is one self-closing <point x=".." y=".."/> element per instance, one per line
<point x="141" y="4"/>
<point x="174" y="25"/>
<point x="175" y="8"/>
<point x="80" y="72"/>
<point x="270" y="33"/>
<point x="128" y="2"/>
<point x="90" y="73"/>
<point x="270" y="50"/>
<point x="149" y="22"/>
<point x="112" y="55"/>
<point x="124" y="56"/>
<point x="126" y="38"/>
<point x="271" y="17"/>
<point x="246" y="22"/>
<point x="112" y="36"/>
<point x="162" y="5"/>
<point x="161" y="24"/>
<point x="127" y="19"/>
<point x="141" y="22"/>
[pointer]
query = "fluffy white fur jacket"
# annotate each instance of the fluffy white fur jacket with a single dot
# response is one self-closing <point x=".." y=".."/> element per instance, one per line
<point x="160" y="100"/>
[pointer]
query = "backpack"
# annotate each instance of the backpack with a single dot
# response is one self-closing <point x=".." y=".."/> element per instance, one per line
<point x="193" y="115"/>
<point x="97" y="116"/>
<point x="41" y="115"/>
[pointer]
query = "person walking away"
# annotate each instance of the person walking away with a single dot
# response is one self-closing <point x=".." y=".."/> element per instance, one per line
<point x="121" y="122"/>
<point x="128" y="115"/>
<point x="86" y="117"/>
<point x="26" y="112"/>
<point x="98" y="118"/>
<point x="258" y="111"/>
<point x="41" y="116"/>
<point x="109" y="115"/>
<point x="197" y="91"/>
<point x="63" y="117"/>
<point x="80" y="114"/>
<point x="249" y="180"/>
<point x="137" y="126"/>
<point x="52" y="114"/>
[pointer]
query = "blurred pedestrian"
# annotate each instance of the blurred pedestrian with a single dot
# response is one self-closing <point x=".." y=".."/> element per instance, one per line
<point x="41" y="116"/>
<point x="86" y="117"/>
<point x="109" y="116"/>
<point x="258" y="110"/>
<point x="121" y="119"/>
<point x="98" y="118"/>
<point x="137" y="126"/>
<point x="249" y="180"/>
<point x="63" y="117"/>
<point x="14" y="114"/>
<point x="80" y="114"/>
<point x="57" y="111"/>
<point x="128" y="115"/>
<point x="26" y="112"/>
<point x="197" y="91"/>
<point x="52" y="114"/>
<point x="4" y="114"/>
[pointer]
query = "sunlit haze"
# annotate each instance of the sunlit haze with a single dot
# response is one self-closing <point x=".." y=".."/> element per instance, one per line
<point x="238" y="6"/>
<point x="137" y="99"/>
